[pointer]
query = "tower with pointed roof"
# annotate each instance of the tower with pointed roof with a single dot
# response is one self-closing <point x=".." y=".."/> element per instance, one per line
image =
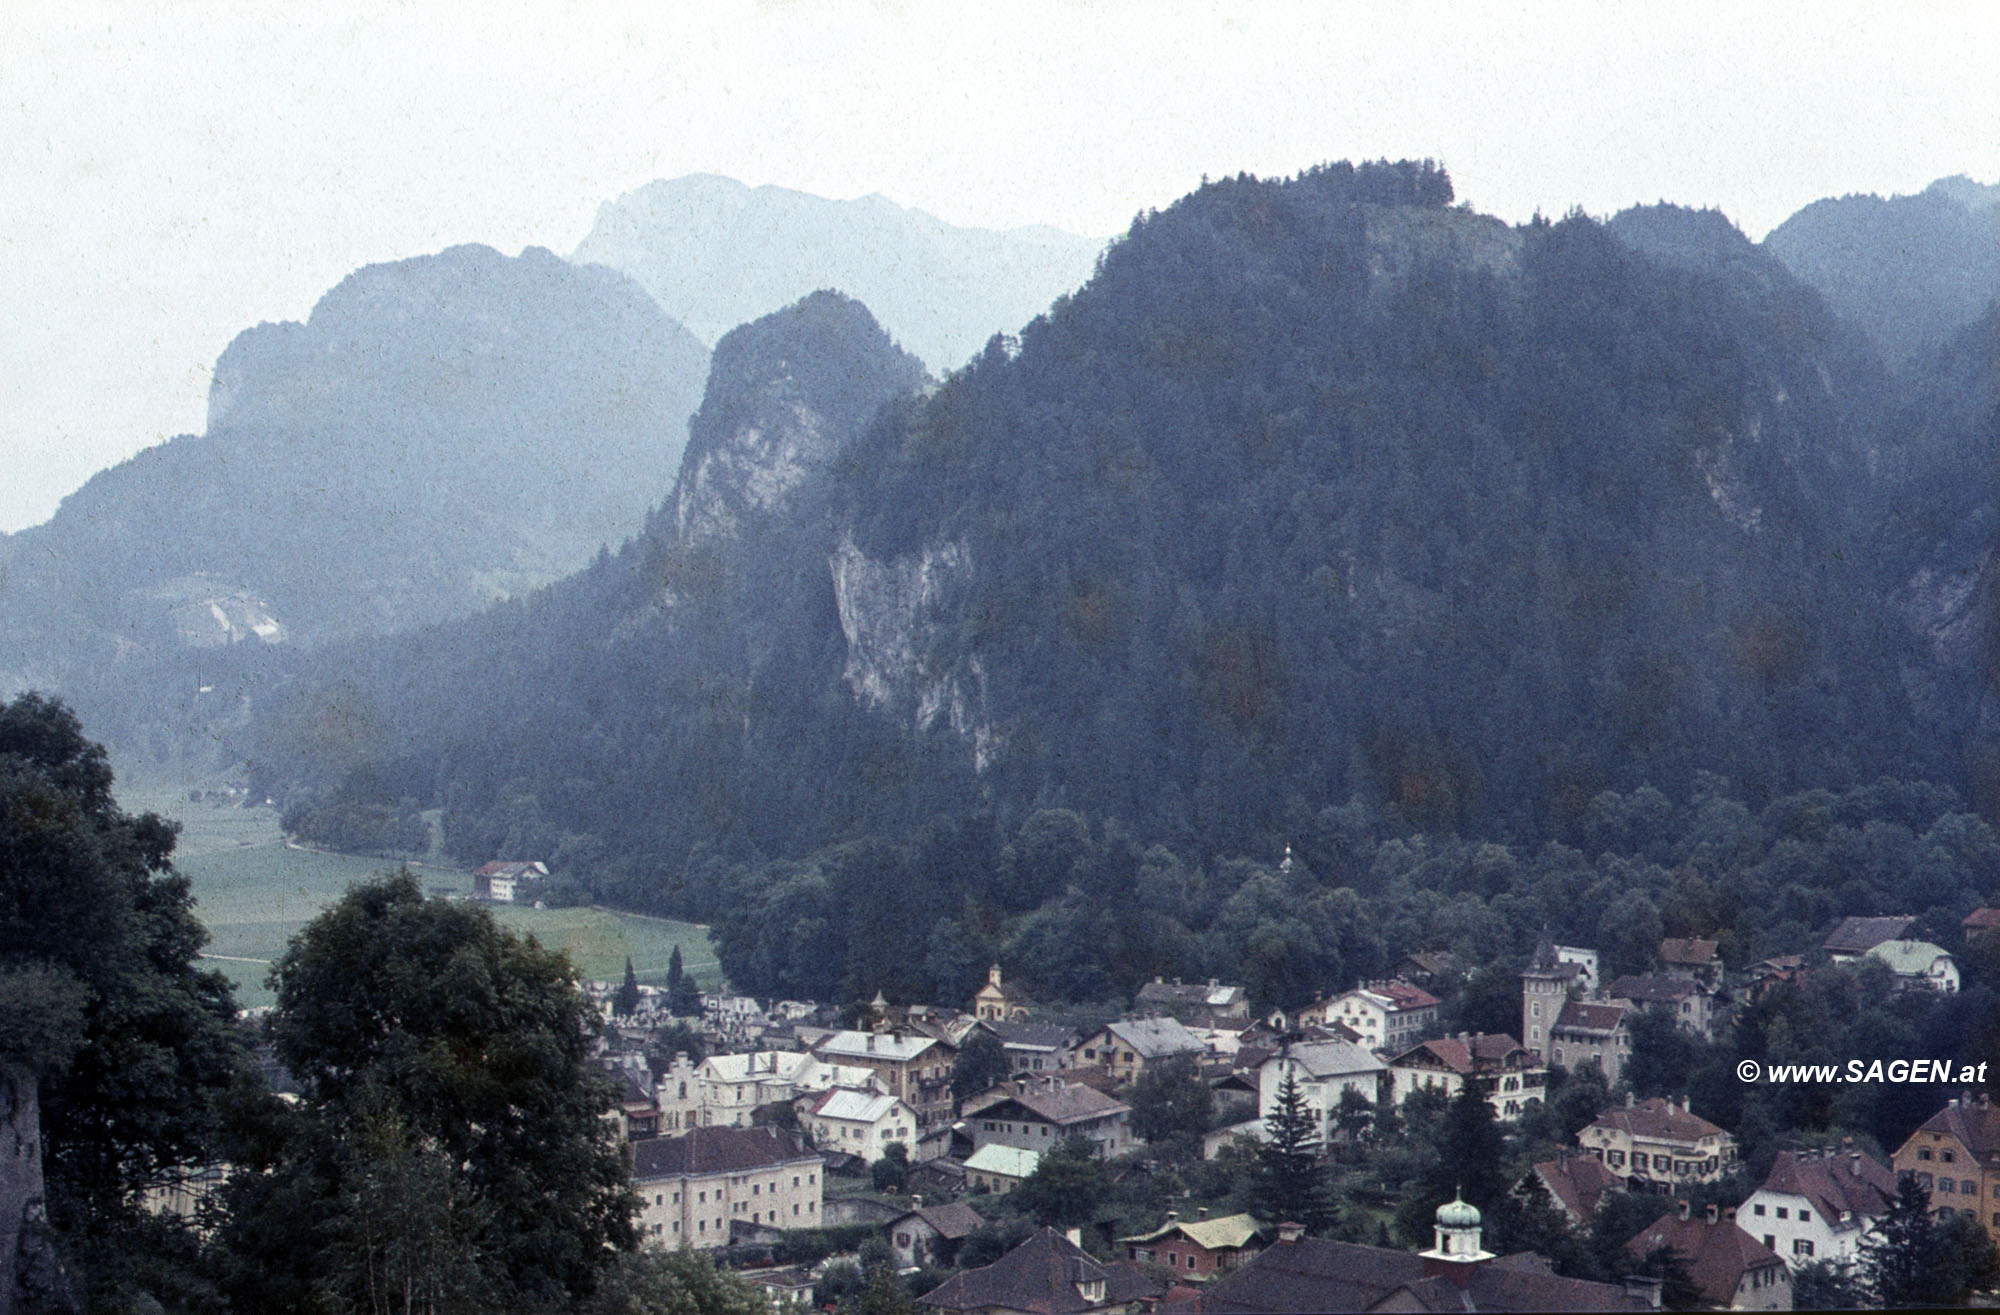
<point x="1544" y="988"/>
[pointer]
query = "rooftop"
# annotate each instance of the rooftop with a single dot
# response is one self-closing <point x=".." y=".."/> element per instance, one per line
<point x="1838" y="1184"/>
<point x="1325" y="1059"/>
<point x="1045" y="1275"/>
<point x="1007" y="1161"/>
<point x="890" y="1046"/>
<point x="1659" y="1120"/>
<point x="1974" y="1124"/>
<point x="715" y="1150"/>
<point x="1860" y="935"/>
<point x="1717" y="1251"/>
<point x="854" y="1106"/>
<point x="1156" y="1038"/>
<point x="1317" y="1275"/>
<point x="1691" y="952"/>
<point x="1909" y="958"/>
<point x="1222" y="1234"/>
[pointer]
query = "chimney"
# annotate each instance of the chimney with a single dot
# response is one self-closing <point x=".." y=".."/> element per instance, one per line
<point x="1644" y="1291"/>
<point x="1686" y="1206"/>
<point x="1289" y="1232"/>
<point x="916" y="1202"/>
<point x="1714" y="1214"/>
<point x="1173" y="1216"/>
<point x="1201" y="1213"/>
<point x="1630" y="1100"/>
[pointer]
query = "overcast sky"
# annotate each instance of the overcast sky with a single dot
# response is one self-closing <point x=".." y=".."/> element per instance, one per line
<point x="171" y="174"/>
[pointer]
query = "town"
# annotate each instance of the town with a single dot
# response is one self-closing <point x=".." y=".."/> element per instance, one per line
<point x="1180" y="1151"/>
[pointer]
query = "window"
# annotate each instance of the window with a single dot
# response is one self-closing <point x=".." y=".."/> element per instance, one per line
<point x="1947" y="1156"/>
<point x="795" y="1180"/>
<point x="1924" y="1181"/>
<point x="756" y="1189"/>
<point x="1801" y="1247"/>
<point x="1190" y="1262"/>
<point x="1946" y="1185"/>
<point x="1660" y="1163"/>
<point x="1770" y="1242"/>
<point x="1759" y="1210"/>
<point x="795" y="1207"/>
<point x="1968" y="1187"/>
<point x="1805" y="1216"/>
<point x="1923" y="1152"/>
<point x="1783" y="1213"/>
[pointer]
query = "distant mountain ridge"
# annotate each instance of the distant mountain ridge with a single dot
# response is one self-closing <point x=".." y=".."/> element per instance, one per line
<point x="441" y="432"/>
<point x="716" y="253"/>
<point x="1910" y="270"/>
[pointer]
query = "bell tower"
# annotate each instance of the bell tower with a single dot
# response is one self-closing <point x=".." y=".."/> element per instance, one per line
<point x="1544" y="988"/>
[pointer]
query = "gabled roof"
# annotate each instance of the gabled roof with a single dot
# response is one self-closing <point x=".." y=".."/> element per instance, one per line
<point x="1651" y="989"/>
<point x="1156" y="1038"/>
<point x="951" y="1221"/>
<point x="1041" y="1276"/>
<point x="1689" y="952"/>
<point x="1718" y="1253"/>
<point x="1326" y="1059"/>
<point x="1435" y="962"/>
<point x="1063" y="1104"/>
<point x="1981" y="920"/>
<point x="1226" y="1233"/>
<point x="1032" y="1036"/>
<point x="1211" y="995"/>
<point x="852" y="1106"/>
<point x="715" y="1150"/>
<point x="1578" y="1183"/>
<point x="1007" y="1161"/>
<point x="889" y="1046"/>
<point x="1909" y="958"/>
<point x="1860" y="935"/>
<point x="517" y="870"/>
<point x="1657" y="1119"/>
<point x="1463" y="1055"/>
<point x="1592" y="1015"/>
<point x="1975" y="1126"/>
<point x="1850" y="1183"/>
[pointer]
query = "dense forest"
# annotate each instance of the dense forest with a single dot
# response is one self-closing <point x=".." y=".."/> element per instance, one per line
<point x="1328" y="514"/>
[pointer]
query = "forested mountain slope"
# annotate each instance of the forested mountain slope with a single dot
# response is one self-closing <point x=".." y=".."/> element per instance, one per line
<point x="1322" y="490"/>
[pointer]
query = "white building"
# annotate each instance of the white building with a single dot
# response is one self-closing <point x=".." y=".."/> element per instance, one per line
<point x="1919" y="965"/>
<point x="1322" y="1070"/>
<point x="863" y="1123"/>
<point x="733" y="1086"/>
<point x="1818" y="1205"/>
<point x="1389" y="1016"/>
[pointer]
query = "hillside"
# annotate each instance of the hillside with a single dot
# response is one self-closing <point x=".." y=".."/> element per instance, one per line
<point x="715" y="254"/>
<point x="1910" y="270"/>
<point x="1322" y="492"/>
<point x="441" y="432"/>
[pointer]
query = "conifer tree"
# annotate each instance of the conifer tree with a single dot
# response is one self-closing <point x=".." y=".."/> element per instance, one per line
<point x="625" y="1003"/>
<point x="1289" y="1185"/>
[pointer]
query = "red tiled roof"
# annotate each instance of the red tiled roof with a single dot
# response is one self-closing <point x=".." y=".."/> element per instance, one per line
<point x="1578" y="1183"/>
<point x="1592" y="1015"/>
<point x="1317" y="1275"/>
<point x="1981" y="920"/>
<point x="1689" y="951"/>
<point x="1976" y="1127"/>
<point x="1656" y="1119"/>
<point x="1860" y="935"/>
<point x="1041" y="1276"/>
<point x="1836" y="1184"/>
<point x="1402" y="994"/>
<point x="1718" y="1254"/>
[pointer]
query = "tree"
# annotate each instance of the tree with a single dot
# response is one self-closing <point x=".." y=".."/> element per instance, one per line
<point x="891" y="1173"/>
<point x="625" y="1001"/>
<point x="106" y="1022"/>
<point x="1289" y="1186"/>
<point x="683" y="996"/>
<point x="1067" y="1186"/>
<point x="442" y="1061"/>
<point x="1823" y="1285"/>
<point x="1171" y="1104"/>
<point x="1914" y="1259"/>
<point x="982" y="1063"/>
<point x="653" y="1281"/>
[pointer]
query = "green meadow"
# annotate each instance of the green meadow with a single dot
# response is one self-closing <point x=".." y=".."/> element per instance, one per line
<point x="254" y="891"/>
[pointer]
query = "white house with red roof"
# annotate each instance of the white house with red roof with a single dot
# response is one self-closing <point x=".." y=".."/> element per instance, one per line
<point x="1390" y="1016"/>
<point x="1512" y="1079"/>
<point x="1819" y="1205"/>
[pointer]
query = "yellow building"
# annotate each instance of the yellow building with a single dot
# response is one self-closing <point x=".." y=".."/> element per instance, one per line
<point x="1956" y="1154"/>
<point x="1658" y="1145"/>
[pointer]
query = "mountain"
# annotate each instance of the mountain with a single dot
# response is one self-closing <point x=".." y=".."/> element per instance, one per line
<point x="1322" y="492"/>
<point x="715" y="253"/>
<point x="1911" y="270"/>
<point x="440" y="433"/>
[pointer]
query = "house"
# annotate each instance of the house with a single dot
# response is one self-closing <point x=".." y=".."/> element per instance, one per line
<point x="1918" y="965"/>
<point x="1000" y="1169"/>
<point x="1979" y="922"/>
<point x="861" y="1123"/>
<point x="916" y="1069"/>
<point x="1578" y="1184"/>
<point x="693" y="1187"/>
<point x="1197" y="1250"/>
<point x="1035" y="1047"/>
<point x="1956" y="1155"/>
<point x="1684" y="999"/>
<point x="1767" y="973"/>
<point x="998" y="1002"/>
<point x="1547" y="984"/>
<point x="1298" y="1274"/>
<point x="1658" y="1145"/>
<point x="1498" y="1065"/>
<point x="1690" y="957"/>
<point x="1035" y="1114"/>
<point x="930" y="1235"/>
<point x="505" y="883"/>
<point x="677" y="1095"/>
<point x="1593" y="1029"/>
<point x="1429" y="967"/>
<point x="1048" y="1275"/>
<point x="731" y="1088"/>
<point x="1818" y="1205"/>
<point x="637" y="1112"/>
<point x="1193" y="1002"/>
<point x="1127" y="1046"/>
<point x="1321" y="1072"/>
<point x="1731" y="1269"/>
<point x="1391" y="1016"/>
<point x="1854" y="937"/>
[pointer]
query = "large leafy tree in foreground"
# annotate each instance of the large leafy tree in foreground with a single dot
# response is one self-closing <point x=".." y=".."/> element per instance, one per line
<point x="106" y="1022"/>
<point x="450" y="1141"/>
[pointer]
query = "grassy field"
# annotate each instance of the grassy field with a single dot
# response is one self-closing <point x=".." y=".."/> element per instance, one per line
<point x="253" y="891"/>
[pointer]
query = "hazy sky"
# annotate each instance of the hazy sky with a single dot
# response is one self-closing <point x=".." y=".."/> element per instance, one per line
<point x="171" y="174"/>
